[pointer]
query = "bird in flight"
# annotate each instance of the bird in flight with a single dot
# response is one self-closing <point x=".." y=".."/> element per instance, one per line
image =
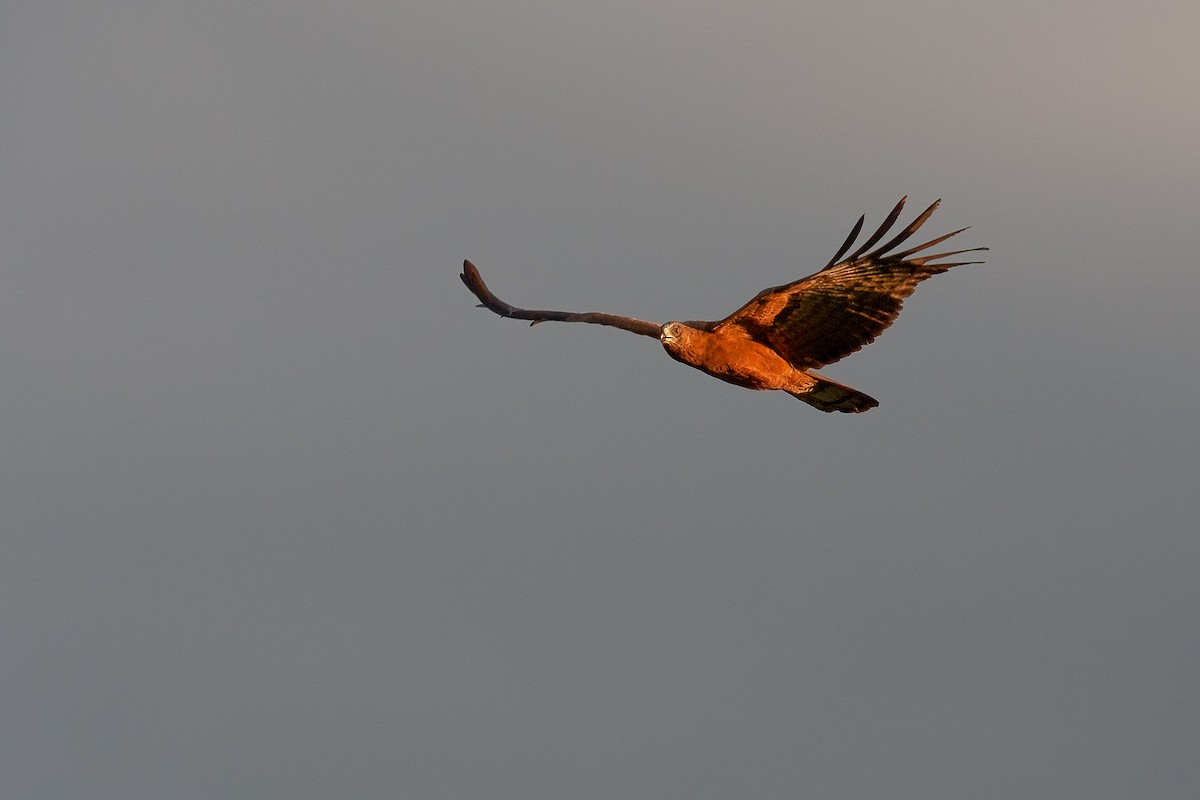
<point x="775" y="340"/>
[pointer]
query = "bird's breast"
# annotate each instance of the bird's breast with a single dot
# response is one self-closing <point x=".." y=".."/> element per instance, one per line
<point x="736" y="360"/>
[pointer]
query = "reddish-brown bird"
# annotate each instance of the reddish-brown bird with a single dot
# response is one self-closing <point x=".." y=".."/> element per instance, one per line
<point x="775" y="340"/>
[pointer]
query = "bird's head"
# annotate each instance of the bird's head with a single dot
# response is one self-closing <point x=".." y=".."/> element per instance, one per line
<point x="676" y="338"/>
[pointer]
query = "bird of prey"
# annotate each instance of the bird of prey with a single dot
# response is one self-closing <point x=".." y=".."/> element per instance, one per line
<point x="775" y="340"/>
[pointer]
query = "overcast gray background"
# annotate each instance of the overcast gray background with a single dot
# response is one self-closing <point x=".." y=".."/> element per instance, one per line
<point x="286" y="516"/>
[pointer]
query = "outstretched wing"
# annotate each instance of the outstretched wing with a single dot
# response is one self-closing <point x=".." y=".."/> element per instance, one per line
<point x="471" y="277"/>
<point x="819" y="319"/>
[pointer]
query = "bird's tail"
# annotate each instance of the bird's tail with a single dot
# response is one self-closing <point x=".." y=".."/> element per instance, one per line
<point x="820" y="392"/>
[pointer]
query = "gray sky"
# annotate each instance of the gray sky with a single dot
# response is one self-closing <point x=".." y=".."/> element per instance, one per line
<point x="286" y="516"/>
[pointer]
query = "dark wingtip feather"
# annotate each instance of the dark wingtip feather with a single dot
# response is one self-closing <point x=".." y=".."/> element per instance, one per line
<point x="849" y="241"/>
<point x="904" y="254"/>
<point x="942" y="267"/>
<point x="912" y="228"/>
<point x="939" y="268"/>
<point x="469" y="275"/>
<point x="924" y="259"/>
<point x="883" y="229"/>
